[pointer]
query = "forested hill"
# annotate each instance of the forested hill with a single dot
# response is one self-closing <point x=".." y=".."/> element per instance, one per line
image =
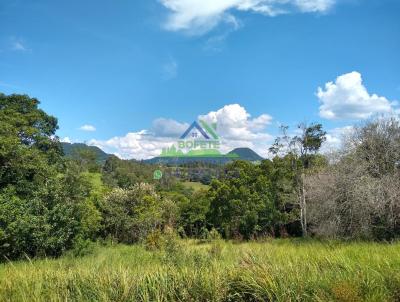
<point x="246" y="154"/>
<point x="71" y="150"/>
<point x="241" y="153"/>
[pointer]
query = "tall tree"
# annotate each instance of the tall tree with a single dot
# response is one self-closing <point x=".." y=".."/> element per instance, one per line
<point x="300" y="148"/>
<point x="28" y="148"/>
<point x="42" y="199"/>
<point x="241" y="202"/>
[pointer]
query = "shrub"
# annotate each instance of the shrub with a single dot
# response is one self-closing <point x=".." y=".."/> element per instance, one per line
<point x="214" y="235"/>
<point x="173" y="248"/>
<point x="129" y="215"/>
<point x="154" y="240"/>
<point x="82" y="247"/>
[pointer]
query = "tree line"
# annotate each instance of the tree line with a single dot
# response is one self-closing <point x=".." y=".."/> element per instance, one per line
<point x="51" y="204"/>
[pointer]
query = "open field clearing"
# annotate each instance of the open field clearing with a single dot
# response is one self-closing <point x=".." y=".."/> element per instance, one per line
<point x="276" y="270"/>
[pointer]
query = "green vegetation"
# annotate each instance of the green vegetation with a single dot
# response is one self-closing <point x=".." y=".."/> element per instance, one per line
<point x="76" y="150"/>
<point x="196" y="186"/>
<point x="173" y="152"/>
<point x="69" y="207"/>
<point x="276" y="270"/>
<point x="245" y="154"/>
<point x="46" y="204"/>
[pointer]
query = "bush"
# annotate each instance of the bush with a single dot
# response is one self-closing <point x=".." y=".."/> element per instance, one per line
<point x="172" y="247"/>
<point x="154" y="240"/>
<point x="209" y="236"/>
<point x="214" y="235"/>
<point x="129" y="215"/>
<point x="82" y="247"/>
<point x="48" y="223"/>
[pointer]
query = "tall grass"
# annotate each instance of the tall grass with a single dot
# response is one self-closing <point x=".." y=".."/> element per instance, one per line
<point x="277" y="270"/>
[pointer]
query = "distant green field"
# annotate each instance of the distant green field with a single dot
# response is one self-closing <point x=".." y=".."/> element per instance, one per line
<point x="276" y="270"/>
<point x="195" y="185"/>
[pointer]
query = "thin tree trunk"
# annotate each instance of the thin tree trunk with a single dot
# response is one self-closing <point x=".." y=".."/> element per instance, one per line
<point x="303" y="207"/>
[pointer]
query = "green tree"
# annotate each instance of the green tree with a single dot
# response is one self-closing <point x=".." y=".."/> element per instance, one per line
<point x="193" y="212"/>
<point x="28" y="153"/>
<point x="282" y="178"/>
<point x="301" y="149"/>
<point x="43" y="201"/>
<point x="129" y="215"/>
<point x="125" y="173"/>
<point x="87" y="159"/>
<point x="241" y="202"/>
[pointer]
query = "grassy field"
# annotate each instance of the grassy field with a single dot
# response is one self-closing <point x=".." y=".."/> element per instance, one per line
<point x="195" y="185"/>
<point x="276" y="270"/>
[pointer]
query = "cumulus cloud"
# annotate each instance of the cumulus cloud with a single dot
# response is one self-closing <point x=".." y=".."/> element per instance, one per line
<point x="88" y="128"/>
<point x="335" y="138"/>
<point x="200" y="16"/>
<point x="66" y="140"/>
<point x="168" y="127"/>
<point x="348" y="98"/>
<point x="238" y="129"/>
<point x="134" y="145"/>
<point x="235" y="126"/>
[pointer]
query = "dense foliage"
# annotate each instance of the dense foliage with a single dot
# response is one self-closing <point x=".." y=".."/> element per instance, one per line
<point x="242" y="202"/>
<point x="50" y="203"/>
<point x="124" y="173"/>
<point x="129" y="215"/>
<point x="44" y="204"/>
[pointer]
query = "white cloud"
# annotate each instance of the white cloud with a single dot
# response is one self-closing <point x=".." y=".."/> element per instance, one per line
<point x="238" y="129"/>
<point x="88" y="128"/>
<point x="168" y="127"/>
<point x="137" y="145"/>
<point x="234" y="125"/>
<point x="335" y="138"/>
<point x="66" y="140"/>
<point x="314" y="5"/>
<point x="348" y="98"/>
<point x="200" y="16"/>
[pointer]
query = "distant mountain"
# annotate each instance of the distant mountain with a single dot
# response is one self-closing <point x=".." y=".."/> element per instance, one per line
<point x="70" y="149"/>
<point x="246" y="154"/>
<point x="242" y="153"/>
<point x="176" y="161"/>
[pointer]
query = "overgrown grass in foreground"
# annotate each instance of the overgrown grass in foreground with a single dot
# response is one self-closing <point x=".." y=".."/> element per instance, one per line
<point x="278" y="270"/>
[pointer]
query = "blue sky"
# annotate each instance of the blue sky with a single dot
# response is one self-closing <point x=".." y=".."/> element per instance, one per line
<point x="119" y="73"/>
